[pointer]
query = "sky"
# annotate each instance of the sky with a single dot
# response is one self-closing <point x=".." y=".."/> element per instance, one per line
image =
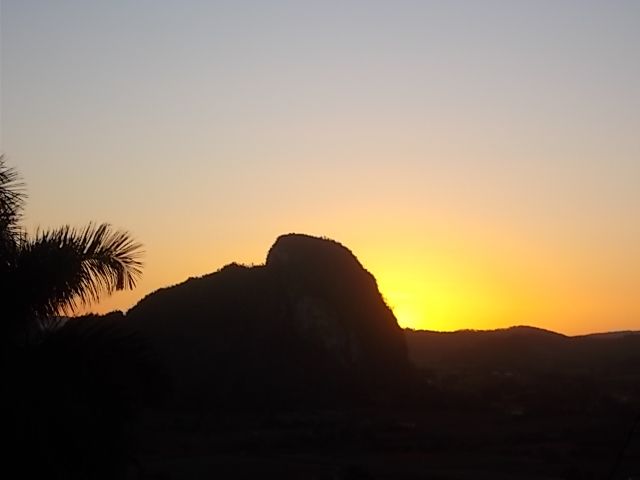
<point x="481" y="159"/>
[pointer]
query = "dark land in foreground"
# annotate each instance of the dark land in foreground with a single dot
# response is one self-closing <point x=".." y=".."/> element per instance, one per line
<point x="518" y="412"/>
<point x="297" y="369"/>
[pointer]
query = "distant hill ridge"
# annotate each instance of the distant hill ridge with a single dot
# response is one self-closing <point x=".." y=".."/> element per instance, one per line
<point x="523" y="348"/>
<point x="515" y="329"/>
<point x="528" y="329"/>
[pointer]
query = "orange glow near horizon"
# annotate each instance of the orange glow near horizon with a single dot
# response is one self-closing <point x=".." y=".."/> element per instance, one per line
<point x="437" y="300"/>
<point x="436" y="281"/>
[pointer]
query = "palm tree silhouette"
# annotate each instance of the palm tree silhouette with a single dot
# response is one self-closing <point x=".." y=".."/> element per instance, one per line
<point x="69" y="389"/>
<point x="57" y="270"/>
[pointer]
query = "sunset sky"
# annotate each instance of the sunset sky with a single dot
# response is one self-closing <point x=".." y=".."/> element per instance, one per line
<point x="480" y="158"/>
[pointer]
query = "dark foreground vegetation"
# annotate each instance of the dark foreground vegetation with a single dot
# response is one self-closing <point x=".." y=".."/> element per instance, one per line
<point x="459" y="421"/>
<point x="295" y="369"/>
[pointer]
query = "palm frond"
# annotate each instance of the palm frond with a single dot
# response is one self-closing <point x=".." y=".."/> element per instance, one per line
<point x="12" y="200"/>
<point x="65" y="268"/>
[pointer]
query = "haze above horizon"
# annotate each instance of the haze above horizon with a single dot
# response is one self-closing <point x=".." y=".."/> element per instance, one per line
<point x="481" y="159"/>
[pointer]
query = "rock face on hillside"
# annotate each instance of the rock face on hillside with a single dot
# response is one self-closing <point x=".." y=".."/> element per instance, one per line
<point x="309" y="325"/>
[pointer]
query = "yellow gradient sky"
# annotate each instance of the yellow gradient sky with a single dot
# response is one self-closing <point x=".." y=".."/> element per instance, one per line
<point x="482" y="159"/>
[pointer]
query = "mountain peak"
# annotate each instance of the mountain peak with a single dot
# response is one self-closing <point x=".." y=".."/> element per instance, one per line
<point x="311" y="319"/>
<point x="298" y="247"/>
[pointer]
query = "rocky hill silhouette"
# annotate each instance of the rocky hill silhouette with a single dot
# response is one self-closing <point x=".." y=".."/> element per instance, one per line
<point x="309" y="325"/>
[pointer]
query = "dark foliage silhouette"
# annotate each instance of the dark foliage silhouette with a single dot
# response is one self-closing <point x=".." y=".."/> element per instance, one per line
<point x="79" y="392"/>
<point x="58" y="269"/>
<point x="70" y="386"/>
